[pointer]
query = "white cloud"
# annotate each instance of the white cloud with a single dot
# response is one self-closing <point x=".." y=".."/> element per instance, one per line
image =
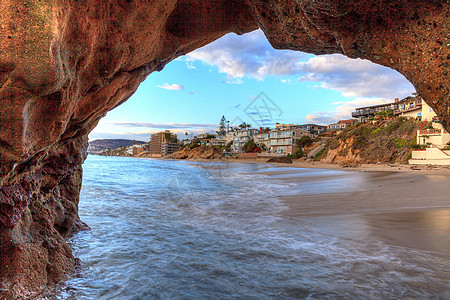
<point x="234" y="81"/>
<point x="162" y="126"/>
<point x="354" y="77"/>
<point x="174" y="86"/>
<point x="250" y="54"/>
<point x="190" y="65"/>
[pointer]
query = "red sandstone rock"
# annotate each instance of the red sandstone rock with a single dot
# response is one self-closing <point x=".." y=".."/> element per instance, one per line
<point x="65" y="63"/>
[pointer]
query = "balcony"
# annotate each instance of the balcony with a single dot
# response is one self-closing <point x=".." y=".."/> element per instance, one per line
<point x="409" y="108"/>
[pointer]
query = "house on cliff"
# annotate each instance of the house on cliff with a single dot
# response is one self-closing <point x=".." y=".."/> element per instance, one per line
<point x="411" y="106"/>
<point x="342" y="124"/>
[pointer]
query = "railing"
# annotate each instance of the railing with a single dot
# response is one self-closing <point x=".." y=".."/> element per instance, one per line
<point x="368" y="111"/>
<point x="430" y="132"/>
<point x="409" y="108"/>
<point x="286" y="143"/>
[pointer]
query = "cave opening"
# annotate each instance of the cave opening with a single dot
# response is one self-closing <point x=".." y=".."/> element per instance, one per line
<point x="65" y="65"/>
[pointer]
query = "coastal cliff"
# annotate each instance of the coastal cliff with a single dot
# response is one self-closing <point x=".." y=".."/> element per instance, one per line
<point x="64" y="64"/>
<point x="202" y="152"/>
<point x="389" y="141"/>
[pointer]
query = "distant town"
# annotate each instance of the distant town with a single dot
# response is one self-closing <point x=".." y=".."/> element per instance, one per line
<point x="290" y="139"/>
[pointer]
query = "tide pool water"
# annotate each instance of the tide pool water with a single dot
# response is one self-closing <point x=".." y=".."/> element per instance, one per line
<point x="165" y="229"/>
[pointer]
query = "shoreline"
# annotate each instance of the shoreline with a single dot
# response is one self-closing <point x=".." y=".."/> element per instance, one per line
<point x="311" y="164"/>
<point x="399" y="168"/>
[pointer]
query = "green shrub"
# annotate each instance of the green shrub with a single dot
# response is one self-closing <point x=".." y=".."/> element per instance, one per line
<point x="296" y="154"/>
<point x="414" y="145"/>
<point x="249" y="147"/>
<point x="228" y="146"/>
<point x="385" y="114"/>
<point x="401" y="143"/>
<point x="304" y="141"/>
<point x="407" y="126"/>
<point x="377" y="131"/>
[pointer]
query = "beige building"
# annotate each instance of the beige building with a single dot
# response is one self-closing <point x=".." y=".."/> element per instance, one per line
<point x="428" y="113"/>
<point x="262" y="138"/>
<point x="409" y="107"/>
<point x="430" y="156"/>
<point x="282" y="141"/>
<point x="163" y="143"/>
<point x="137" y="149"/>
<point x="436" y="137"/>
<point x="313" y="129"/>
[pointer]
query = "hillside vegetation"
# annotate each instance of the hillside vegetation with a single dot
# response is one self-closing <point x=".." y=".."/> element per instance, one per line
<point x="385" y="141"/>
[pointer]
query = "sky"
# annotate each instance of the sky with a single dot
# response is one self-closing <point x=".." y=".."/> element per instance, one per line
<point x="246" y="80"/>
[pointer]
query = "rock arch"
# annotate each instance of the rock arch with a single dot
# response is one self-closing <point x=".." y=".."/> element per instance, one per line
<point x="65" y="63"/>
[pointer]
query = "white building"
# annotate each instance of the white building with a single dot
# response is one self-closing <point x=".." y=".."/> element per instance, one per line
<point x="242" y="137"/>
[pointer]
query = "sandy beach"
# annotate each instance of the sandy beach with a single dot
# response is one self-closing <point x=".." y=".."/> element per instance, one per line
<point x="400" y="205"/>
<point x="404" y="168"/>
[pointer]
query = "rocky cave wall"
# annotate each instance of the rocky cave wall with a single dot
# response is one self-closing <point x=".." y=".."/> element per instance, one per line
<point x="65" y="63"/>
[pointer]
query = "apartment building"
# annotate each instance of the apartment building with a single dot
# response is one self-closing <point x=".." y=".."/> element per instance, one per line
<point x="410" y="106"/>
<point x="364" y="113"/>
<point x="279" y="126"/>
<point x="262" y="138"/>
<point x="282" y="141"/>
<point x="313" y="129"/>
<point x="163" y="143"/>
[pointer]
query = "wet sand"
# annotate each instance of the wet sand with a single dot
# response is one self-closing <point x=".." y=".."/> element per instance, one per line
<point x="404" y="168"/>
<point x="402" y="209"/>
<point x="398" y="205"/>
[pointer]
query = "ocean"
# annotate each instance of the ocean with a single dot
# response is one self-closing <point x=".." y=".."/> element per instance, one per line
<point x="163" y="229"/>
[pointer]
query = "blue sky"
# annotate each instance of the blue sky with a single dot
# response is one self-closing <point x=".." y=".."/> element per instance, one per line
<point x="245" y="79"/>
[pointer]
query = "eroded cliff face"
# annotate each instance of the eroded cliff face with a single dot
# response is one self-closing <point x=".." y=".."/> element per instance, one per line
<point x="384" y="141"/>
<point x="65" y="63"/>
